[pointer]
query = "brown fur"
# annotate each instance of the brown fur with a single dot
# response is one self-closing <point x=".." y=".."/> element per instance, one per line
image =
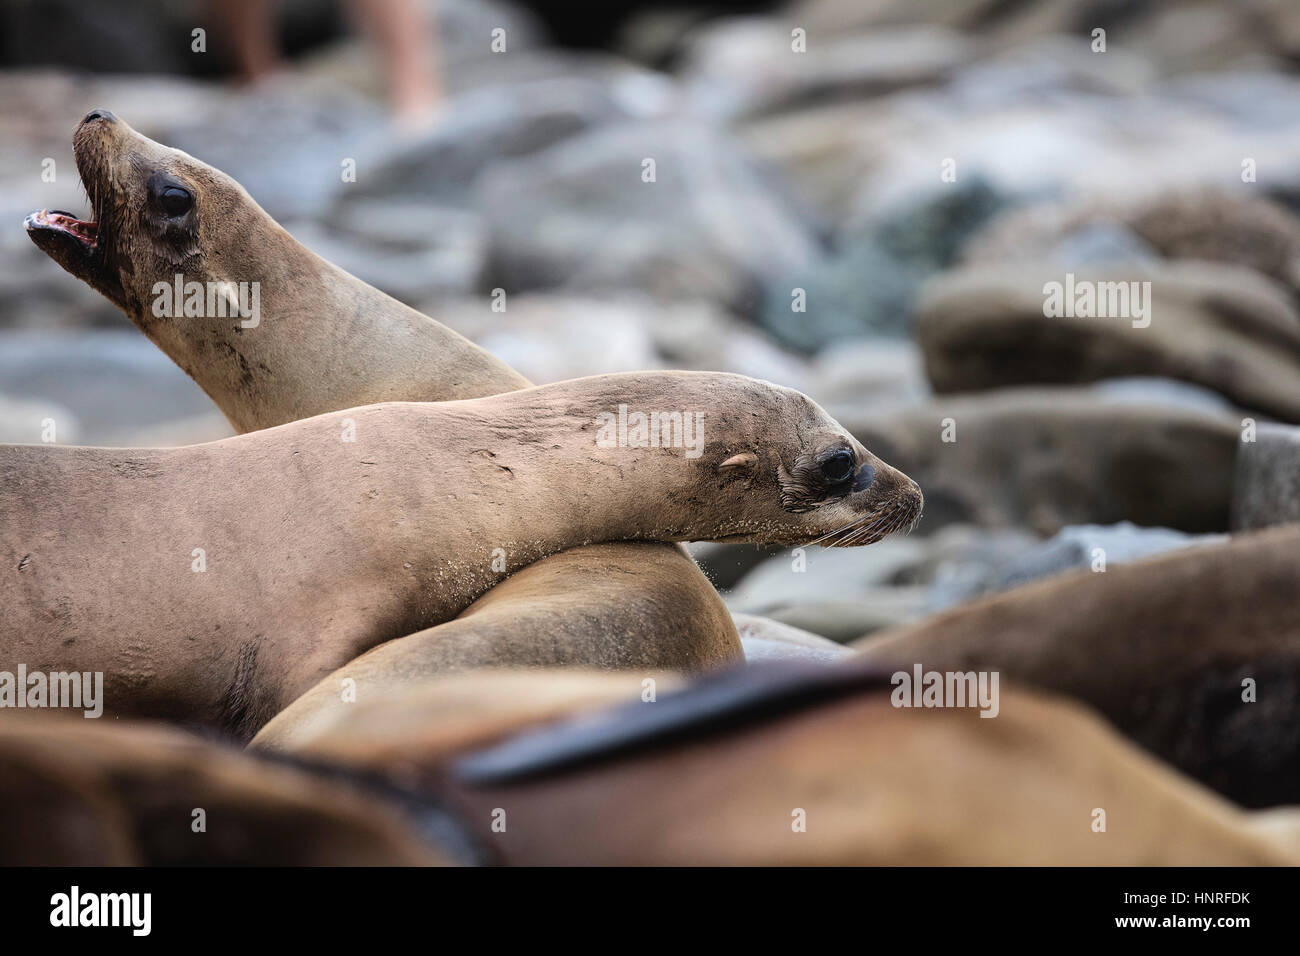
<point x="328" y="341"/>
<point x="879" y="785"/>
<point x="1160" y="647"/>
<point x="83" y="794"/>
<point x="318" y="548"/>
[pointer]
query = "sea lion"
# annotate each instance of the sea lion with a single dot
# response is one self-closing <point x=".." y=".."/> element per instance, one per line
<point x="1162" y="647"/>
<point x="325" y="341"/>
<point x="720" y="771"/>
<point x="78" y="793"/>
<point x="322" y="538"/>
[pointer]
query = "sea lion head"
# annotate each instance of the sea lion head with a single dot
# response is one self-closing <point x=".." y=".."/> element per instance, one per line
<point x="770" y="465"/>
<point x="156" y="212"/>
<point x="822" y="486"/>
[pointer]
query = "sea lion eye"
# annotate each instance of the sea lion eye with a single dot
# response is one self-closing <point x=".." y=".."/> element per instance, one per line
<point x="176" y="201"/>
<point x="838" y="466"/>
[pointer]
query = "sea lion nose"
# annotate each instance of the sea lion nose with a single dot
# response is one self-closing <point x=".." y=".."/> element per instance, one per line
<point x="99" y="114"/>
<point x="865" y="476"/>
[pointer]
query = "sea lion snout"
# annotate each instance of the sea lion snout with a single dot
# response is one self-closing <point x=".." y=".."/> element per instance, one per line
<point x="98" y="113"/>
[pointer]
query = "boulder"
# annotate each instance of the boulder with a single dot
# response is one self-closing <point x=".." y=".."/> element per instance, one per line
<point x="1224" y="327"/>
<point x="581" y="215"/>
<point x="1266" y="488"/>
<point x="1044" y="458"/>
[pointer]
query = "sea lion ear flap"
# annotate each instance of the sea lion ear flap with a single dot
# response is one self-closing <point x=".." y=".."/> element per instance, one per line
<point x="739" y="466"/>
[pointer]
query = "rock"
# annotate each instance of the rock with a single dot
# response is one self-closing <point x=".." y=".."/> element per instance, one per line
<point x="1266" y="488"/>
<point x="1206" y="224"/>
<point x="550" y="338"/>
<point x="484" y="126"/>
<point x="412" y="250"/>
<point x="1174" y="36"/>
<point x="808" y="574"/>
<point x="1076" y="547"/>
<point x="856" y="373"/>
<point x="744" y="66"/>
<point x="115" y="384"/>
<point x="698" y="335"/>
<point x="1140" y="390"/>
<point x="843" y="621"/>
<point x="868" y="285"/>
<point x="1033" y="130"/>
<point x="861" y="289"/>
<point x="1044" y="458"/>
<point x="726" y="563"/>
<point x="28" y="421"/>
<point x="579" y="215"/>
<point x="1224" y="327"/>
<point x="766" y="640"/>
<point x="966" y="561"/>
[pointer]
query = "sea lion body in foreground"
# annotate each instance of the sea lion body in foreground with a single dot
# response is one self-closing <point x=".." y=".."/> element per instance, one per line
<point x="325" y="341"/>
<point x="78" y="793"/>
<point x="718" y="772"/>
<point x="315" y="548"/>
<point x="1163" y="647"/>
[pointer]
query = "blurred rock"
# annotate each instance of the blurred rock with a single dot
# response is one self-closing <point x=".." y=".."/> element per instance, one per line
<point x="28" y="421"/>
<point x="726" y="563"/>
<point x="411" y="250"/>
<point x="579" y="216"/>
<point x="843" y="621"/>
<point x="1176" y="35"/>
<point x="857" y="373"/>
<point x="869" y="284"/>
<point x="114" y="384"/>
<point x="485" y="126"/>
<point x="697" y="335"/>
<point x="550" y="337"/>
<point x="767" y="640"/>
<point x="1044" y="458"/>
<point x="1205" y="224"/>
<point x="965" y="560"/>
<point x="1266" y="489"/>
<point x="748" y="65"/>
<point x="844" y="574"/>
<point x="1033" y="130"/>
<point x="1073" y="548"/>
<point x="1224" y="327"/>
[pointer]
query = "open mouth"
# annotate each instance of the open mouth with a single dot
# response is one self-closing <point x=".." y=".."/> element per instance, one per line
<point x="86" y="233"/>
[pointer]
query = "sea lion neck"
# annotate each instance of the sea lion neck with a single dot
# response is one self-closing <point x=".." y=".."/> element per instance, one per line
<point x="268" y="329"/>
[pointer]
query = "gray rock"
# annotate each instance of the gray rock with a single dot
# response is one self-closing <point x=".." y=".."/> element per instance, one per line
<point x="1044" y="458"/>
<point x="1224" y="327"/>
<point x="1074" y="548"/>
<point x="843" y="574"/>
<point x="1149" y="391"/>
<point x="843" y="621"/>
<point x="857" y="373"/>
<point x="579" y="216"/>
<point x="412" y="251"/>
<point x="764" y="639"/>
<point x="29" y="421"/>
<point x="746" y="65"/>
<point x="485" y="126"/>
<point x="869" y="284"/>
<point x="115" y="384"/>
<point x="1266" y="488"/>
